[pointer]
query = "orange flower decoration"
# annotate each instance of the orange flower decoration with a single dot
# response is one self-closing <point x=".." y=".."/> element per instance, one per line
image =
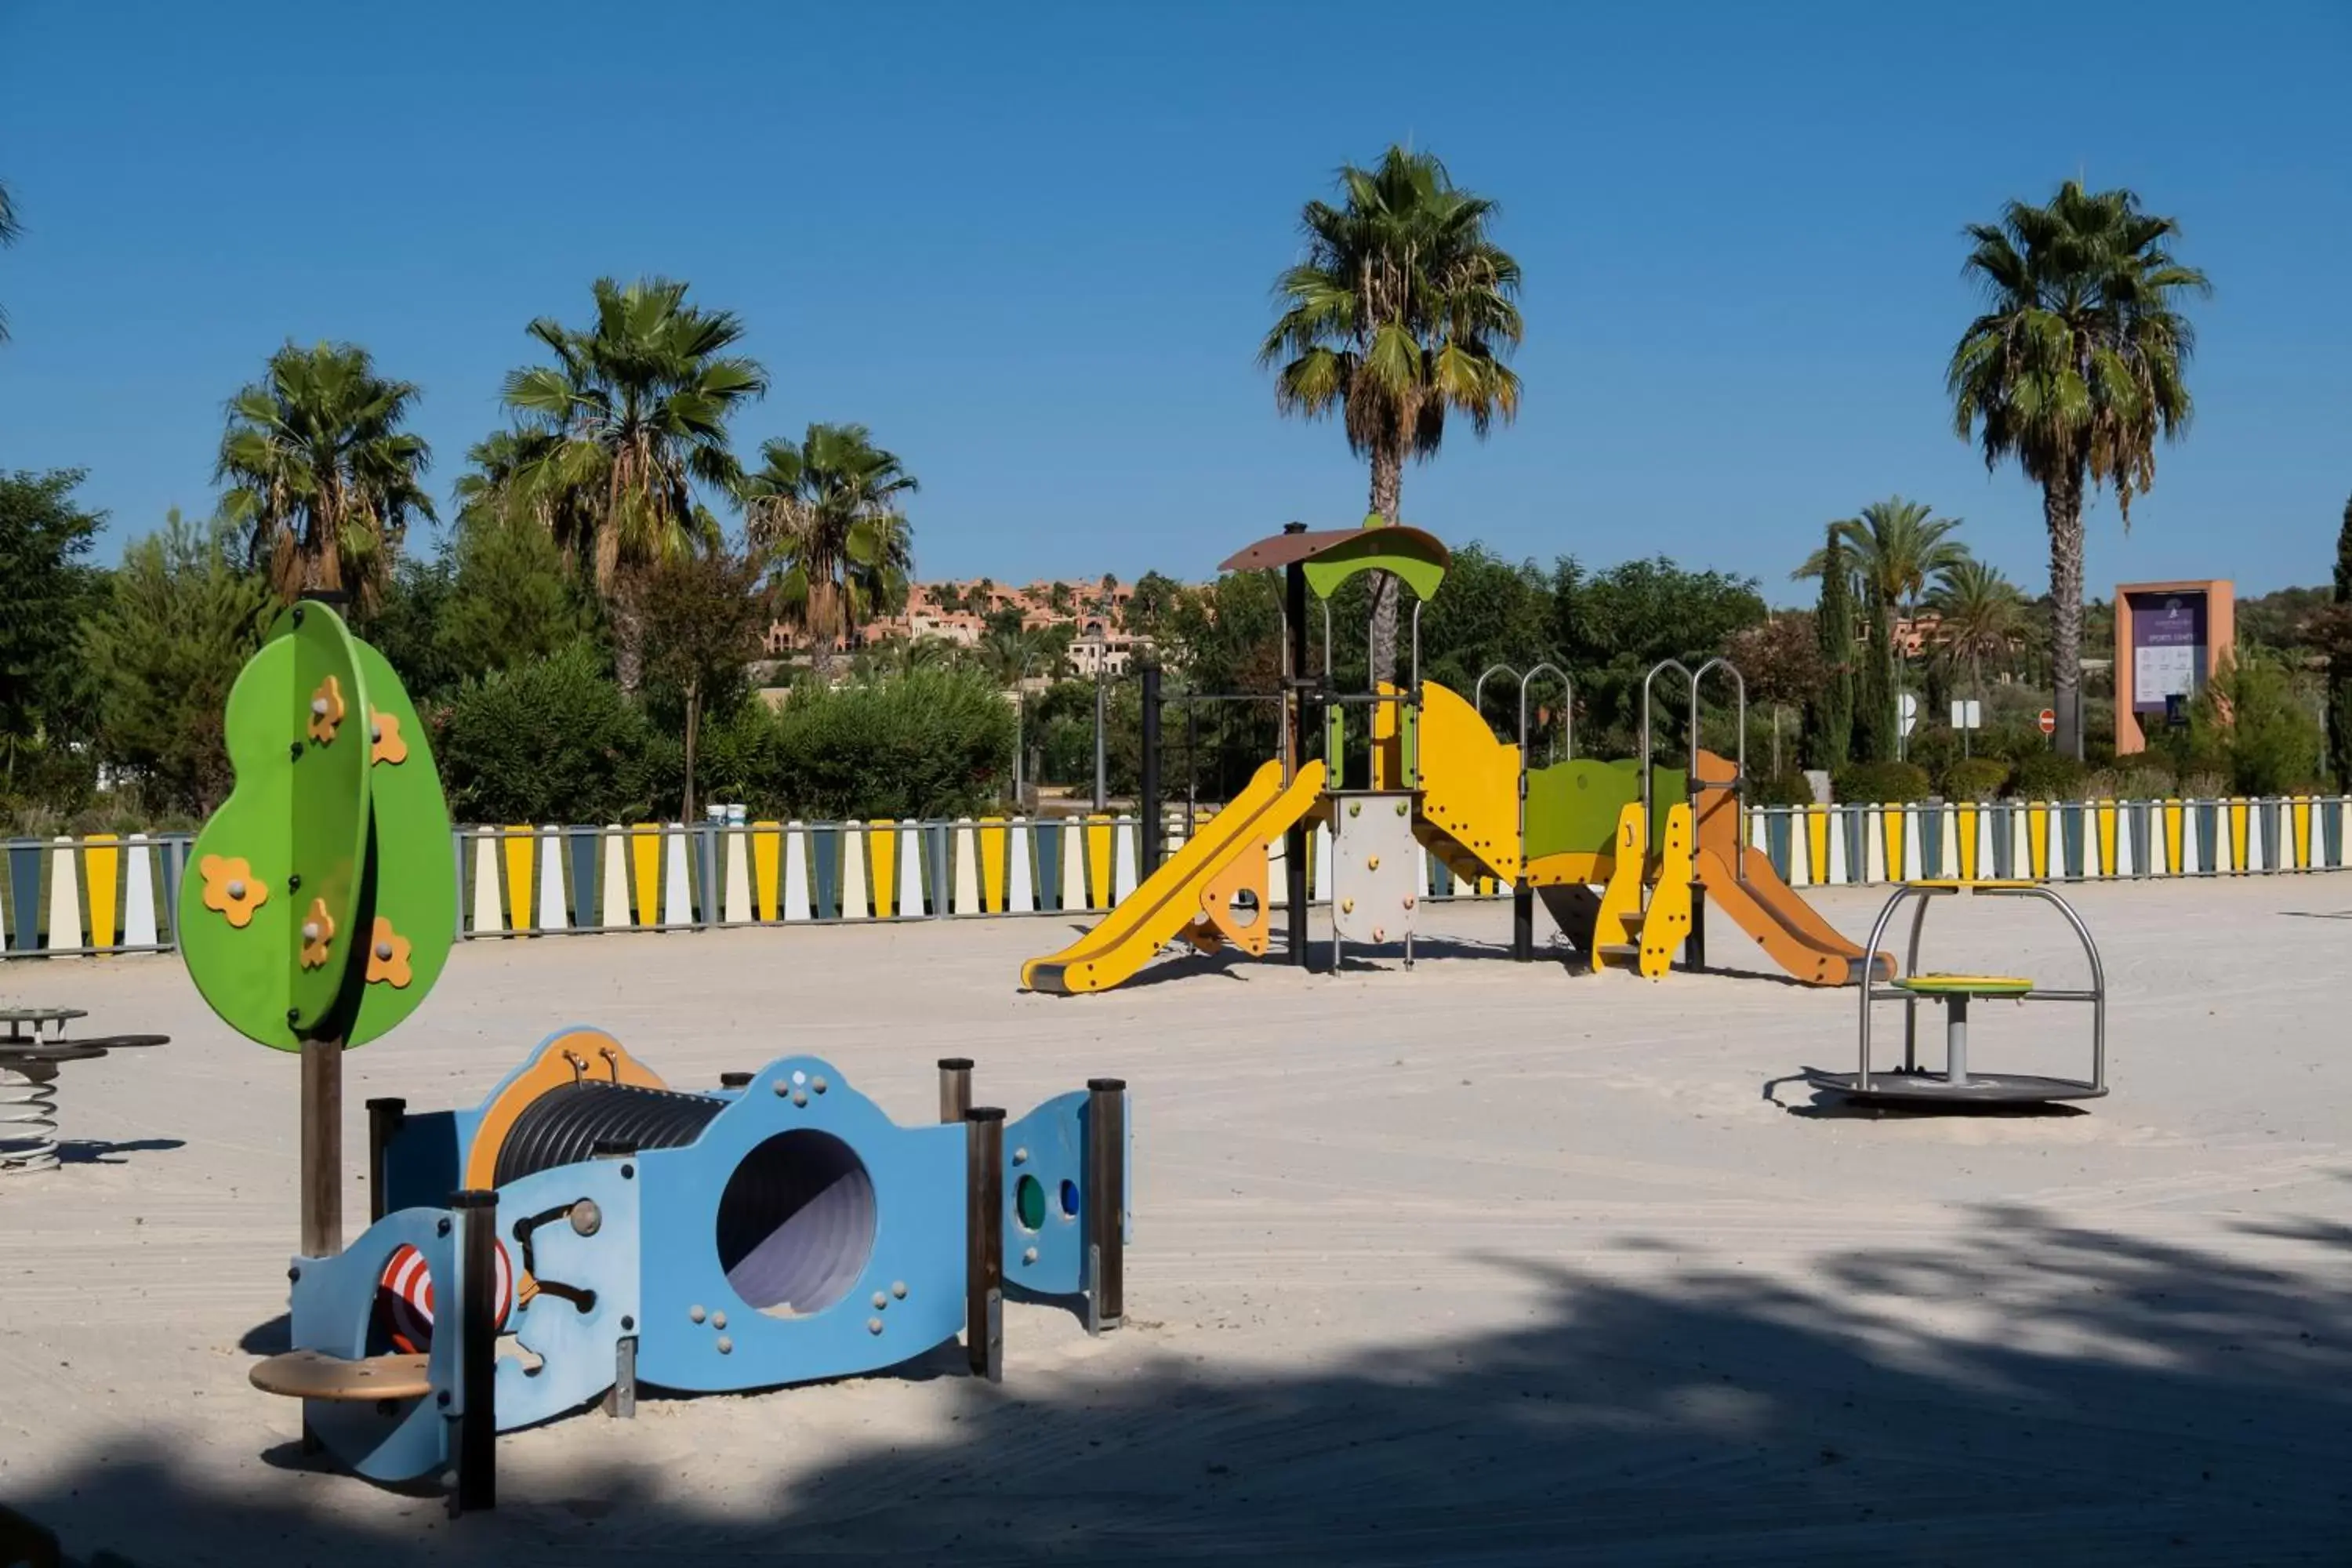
<point x="231" y="889"/>
<point x="325" y="710"/>
<point x="318" y="931"/>
<point x="383" y="732"/>
<point x="388" y="956"/>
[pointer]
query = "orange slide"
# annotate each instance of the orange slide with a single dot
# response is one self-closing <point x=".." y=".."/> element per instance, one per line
<point x="1740" y="881"/>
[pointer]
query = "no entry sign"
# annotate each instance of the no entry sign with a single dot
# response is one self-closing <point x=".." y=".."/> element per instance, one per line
<point x="2049" y="720"/>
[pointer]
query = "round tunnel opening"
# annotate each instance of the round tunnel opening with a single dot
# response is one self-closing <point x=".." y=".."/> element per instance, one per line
<point x="796" y="1224"/>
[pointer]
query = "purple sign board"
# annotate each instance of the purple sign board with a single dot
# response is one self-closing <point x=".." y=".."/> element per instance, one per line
<point x="2169" y="647"/>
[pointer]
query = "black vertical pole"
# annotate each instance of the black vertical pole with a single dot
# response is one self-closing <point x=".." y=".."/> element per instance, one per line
<point x="478" y="1421"/>
<point x="984" y="1302"/>
<point x="1694" y="944"/>
<point x="1523" y="923"/>
<point x="1294" y="742"/>
<point x="1106" y="1203"/>
<point x="1153" y="822"/>
<point x="384" y="1117"/>
<point x="955" y="1088"/>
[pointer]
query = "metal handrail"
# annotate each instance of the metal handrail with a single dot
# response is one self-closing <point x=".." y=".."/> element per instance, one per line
<point x="1692" y="784"/>
<point x="1478" y="690"/>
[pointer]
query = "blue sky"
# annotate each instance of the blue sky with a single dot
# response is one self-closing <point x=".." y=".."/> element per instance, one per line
<point x="1032" y="248"/>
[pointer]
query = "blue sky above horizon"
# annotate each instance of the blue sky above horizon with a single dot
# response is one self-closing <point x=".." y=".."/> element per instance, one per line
<point x="1033" y="250"/>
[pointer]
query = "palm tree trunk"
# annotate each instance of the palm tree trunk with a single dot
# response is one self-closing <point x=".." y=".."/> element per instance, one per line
<point x="1388" y="483"/>
<point x="628" y="641"/>
<point x="2062" y="511"/>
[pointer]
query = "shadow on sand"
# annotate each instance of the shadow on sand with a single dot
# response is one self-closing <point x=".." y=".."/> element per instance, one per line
<point x="2136" y="1402"/>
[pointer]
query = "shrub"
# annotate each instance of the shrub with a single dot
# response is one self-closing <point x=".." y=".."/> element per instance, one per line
<point x="2049" y="775"/>
<point x="933" y="743"/>
<point x="549" y="741"/>
<point x="1788" y="788"/>
<point x="2270" y="739"/>
<point x="1975" y="778"/>
<point x="1883" y="782"/>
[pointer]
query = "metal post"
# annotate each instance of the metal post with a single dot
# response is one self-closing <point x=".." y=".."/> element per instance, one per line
<point x="1523" y="923"/>
<point x="1106" y="1203"/>
<point x="384" y="1117"/>
<point x="322" y="1147"/>
<point x="478" y="1418"/>
<point x="955" y="1088"/>
<point x="1294" y="842"/>
<point x="1956" y="1038"/>
<point x="1150" y="806"/>
<point x="983" y="1307"/>
<point x="1020" y="739"/>
<point x="621" y="1399"/>
<point x="1102" y="775"/>
<point x="1694" y="944"/>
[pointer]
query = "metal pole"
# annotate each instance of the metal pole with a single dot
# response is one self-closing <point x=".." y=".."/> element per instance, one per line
<point x="1020" y="739"/>
<point x="478" y="1417"/>
<point x="1294" y="842"/>
<point x="322" y="1147"/>
<point x="983" y="1332"/>
<point x="955" y="1088"/>
<point x="1154" y="826"/>
<point x="1523" y="923"/>
<point x="1106" y="1203"/>
<point x="1102" y="792"/>
<point x="384" y="1117"/>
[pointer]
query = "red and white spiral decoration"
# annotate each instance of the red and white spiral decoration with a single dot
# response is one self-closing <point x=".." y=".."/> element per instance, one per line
<point x="405" y="1297"/>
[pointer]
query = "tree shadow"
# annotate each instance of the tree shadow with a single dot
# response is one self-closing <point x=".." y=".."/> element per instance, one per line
<point x="2115" y="1399"/>
<point x="96" y="1152"/>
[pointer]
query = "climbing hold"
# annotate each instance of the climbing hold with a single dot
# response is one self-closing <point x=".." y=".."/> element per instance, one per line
<point x="388" y="956"/>
<point x="387" y="743"/>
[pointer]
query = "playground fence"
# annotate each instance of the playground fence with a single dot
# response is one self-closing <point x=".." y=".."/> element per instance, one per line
<point x="108" y="894"/>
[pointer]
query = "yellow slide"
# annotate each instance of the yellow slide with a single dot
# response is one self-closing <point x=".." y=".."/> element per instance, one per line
<point x="1192" y="886"/>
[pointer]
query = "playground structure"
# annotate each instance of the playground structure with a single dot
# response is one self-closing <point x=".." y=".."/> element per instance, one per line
<point x="778" y="1229"/>
<point x="1913" y="1086"/>
<point x="1626" y="855"/>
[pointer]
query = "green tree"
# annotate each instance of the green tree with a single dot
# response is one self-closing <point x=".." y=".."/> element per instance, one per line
<point x="2339" y="662"/>
<point x="1491" y="611"/>
<point x="705" y="615"/>
<point x="1614" y="625"/>
<point x="511" y="598"/>
<point x="44" y="538"/>
<point x="1830" y="721"/>
<point x="320" y="472"/>
<point x="2254" y="719"/>
<point x="1875" y="736"/>
<point x="11" y="230"/>
<point x="828" y="511"/>
<point x="550" y="741"/>
<point x="405" y="626"/>
<point x="2076" y="366"/>
<point x="1404" y="310"/>
<point x="1980" y="616"/>
<point x="177" y="627"/>
<point x="616" y="437"/>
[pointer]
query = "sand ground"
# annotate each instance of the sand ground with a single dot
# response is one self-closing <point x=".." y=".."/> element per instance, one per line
<point x="1478" y="1263"/>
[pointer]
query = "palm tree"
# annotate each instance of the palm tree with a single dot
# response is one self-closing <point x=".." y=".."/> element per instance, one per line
<point x="2074" y="368"/>
<point x="1896" y="547"/>
<point x="10" y="232"/>
<point x="615" y="437"/>
<point x="321" y="473"/>
<point x="827" y="510"/>
<point x="1402" y="311"/>
<point x="1981" y="614"/>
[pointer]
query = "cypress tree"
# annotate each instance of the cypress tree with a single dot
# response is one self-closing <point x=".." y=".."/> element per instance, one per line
<point x="2339" y="663"/>
<point x="1829" y="740"/>
<point x="1874" y="692"/>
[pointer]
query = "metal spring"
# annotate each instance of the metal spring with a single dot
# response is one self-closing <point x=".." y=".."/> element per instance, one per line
<point x="28" y="1117"/>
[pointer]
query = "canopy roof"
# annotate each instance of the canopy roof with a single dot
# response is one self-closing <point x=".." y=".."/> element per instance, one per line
<point x="1332" y="555"/>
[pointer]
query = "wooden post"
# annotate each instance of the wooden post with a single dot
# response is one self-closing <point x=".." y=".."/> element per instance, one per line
<point x="322" y="1147"/>
<point x="384" y="1117"/>
<point x="955" y="1088"/>
<point x="1106" y="1203"/>
<point x="478" y="1420"/>
<point x="983" y="1332"/>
